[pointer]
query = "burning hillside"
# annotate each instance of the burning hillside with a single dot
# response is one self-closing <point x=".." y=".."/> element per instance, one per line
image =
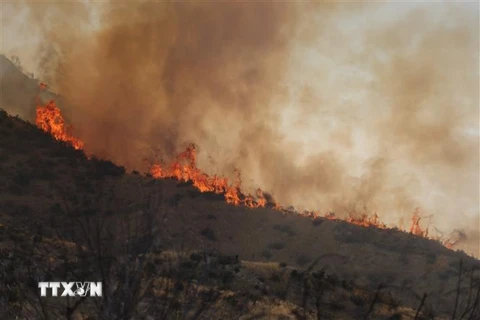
<point x="319" y="108"/>
<point x="324" y="154"/>
<point x="50" y="119"/>
<point x="184" y="169"/>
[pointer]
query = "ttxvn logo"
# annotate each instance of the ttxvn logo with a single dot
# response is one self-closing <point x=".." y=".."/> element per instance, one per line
<point x="71" y="289"/>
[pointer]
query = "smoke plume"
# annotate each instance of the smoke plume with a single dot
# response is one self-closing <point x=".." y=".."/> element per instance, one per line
<point x="330" y="106"/>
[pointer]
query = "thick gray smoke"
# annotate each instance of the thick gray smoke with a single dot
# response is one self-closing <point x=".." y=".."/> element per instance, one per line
<point x="329" y="106"/>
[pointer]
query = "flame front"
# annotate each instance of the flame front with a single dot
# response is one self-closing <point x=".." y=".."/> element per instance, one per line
<point x="365" y="220"/>
<point x="184" y="168"/>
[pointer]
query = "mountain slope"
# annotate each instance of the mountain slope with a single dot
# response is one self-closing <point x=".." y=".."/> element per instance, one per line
<point x="51" y="191"/>
<point x="19" y="91"/>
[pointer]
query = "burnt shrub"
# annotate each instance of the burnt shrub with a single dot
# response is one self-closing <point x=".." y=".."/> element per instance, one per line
<point x="316" y="222"/>
<point x="209" y="234"/>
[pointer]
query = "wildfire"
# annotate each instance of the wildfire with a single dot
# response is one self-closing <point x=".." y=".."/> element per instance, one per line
<point x="50" y="119"/>
<point x="184" y="168"/>
<point x="365" y="220"/>
<point x="415" y="227"/>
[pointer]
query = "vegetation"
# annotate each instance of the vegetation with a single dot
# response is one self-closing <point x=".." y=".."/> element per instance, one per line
<point x="166" y="251"/>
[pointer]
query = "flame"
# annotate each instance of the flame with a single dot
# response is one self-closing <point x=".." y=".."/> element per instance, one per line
<point x="415" y="227"/>
<point x="50" y="119"/>
<point x="365" y="220"/>
<point x="184" y="168"/>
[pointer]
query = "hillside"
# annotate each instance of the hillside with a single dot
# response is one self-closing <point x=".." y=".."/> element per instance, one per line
<point x="62" y="214"/>
<point x="18" y="91"/>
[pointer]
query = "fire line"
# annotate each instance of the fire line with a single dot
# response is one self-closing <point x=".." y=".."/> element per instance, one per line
<point x="184" y="169"/>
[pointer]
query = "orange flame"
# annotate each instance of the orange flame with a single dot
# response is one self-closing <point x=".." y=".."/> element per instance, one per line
<point x="184" y="168"/>
<point x="50" y="119"/>
<point x="415" y="227"/>
<point x="365" y="220"/>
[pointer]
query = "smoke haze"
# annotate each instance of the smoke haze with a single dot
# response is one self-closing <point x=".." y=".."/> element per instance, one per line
<point x="330" y="106"/>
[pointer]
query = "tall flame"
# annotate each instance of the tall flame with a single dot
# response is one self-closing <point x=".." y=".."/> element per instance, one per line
<point x="49" y="118"/>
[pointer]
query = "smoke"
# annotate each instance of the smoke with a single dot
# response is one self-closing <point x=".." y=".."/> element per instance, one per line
<point x="332" y="106"/>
